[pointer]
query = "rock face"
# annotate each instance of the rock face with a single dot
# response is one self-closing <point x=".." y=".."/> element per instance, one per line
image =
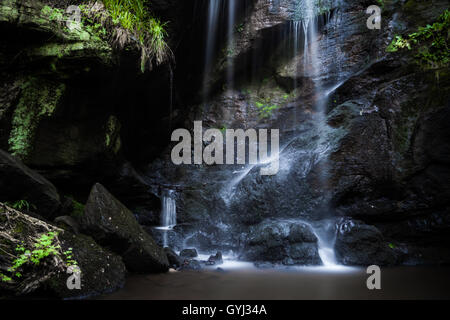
<point x="288" y="243"/>
<point x="19" y="182"/>
<point x="101" y="270"/>
<point x="361" y="244"/>
<point x="379" y="156"/>
<point x="111" y="224"/>
<point x="188" y="253"/>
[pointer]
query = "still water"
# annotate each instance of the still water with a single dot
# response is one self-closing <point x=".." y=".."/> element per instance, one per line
<point x="290" y="284"/>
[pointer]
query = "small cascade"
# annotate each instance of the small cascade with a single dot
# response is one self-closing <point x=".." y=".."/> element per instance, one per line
<point x="168" y="214"/>
<point x="326" y="236"/>
<point x="169" y="210"/>
<point x="227" y="192"/>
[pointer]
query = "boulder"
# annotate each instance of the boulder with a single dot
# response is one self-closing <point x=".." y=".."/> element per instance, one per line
<point x="282" y="242"/>
<point x="101" y="270"/>
<point x="174" y="260"/>
<point x="360" y="244"/>
<point x="216" y="259"/>
<point x="190" y="265"/>
<point x="112" y="225"/>
<point x="19" y="182"/>
<point x="188" y="253"/>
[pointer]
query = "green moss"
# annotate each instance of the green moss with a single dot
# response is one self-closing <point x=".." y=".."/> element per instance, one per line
<point x="112" y="138"/>
<point x="39" y="99"/>
<point x="53" y="14"/>
<point x="8" y="11"/>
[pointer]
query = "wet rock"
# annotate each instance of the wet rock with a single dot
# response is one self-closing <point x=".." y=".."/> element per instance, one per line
<point x="19" y="182"/>
<point x="271" y="241"/>
<point x="189" y="265"/>
<point x="174" y="260"/>
<point x="102" y="271"/>
<point x="111" y="224"/>
<point x="188" y="253"/>
<point x="215" y="260"/>
<point x="360" y="244"/>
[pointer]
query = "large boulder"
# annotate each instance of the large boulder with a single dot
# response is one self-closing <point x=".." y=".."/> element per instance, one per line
<point x="18" y="182"/>
<point x="101" y="270"/>
<point x="360" y="244"/>
<point x="290" y="243"/>
<point x="112" y="225"/>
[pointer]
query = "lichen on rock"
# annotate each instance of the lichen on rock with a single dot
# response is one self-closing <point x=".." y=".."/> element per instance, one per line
<point x="39" y="99"/>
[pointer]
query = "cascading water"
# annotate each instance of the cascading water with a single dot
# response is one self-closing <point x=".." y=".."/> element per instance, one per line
<point x="326" y="237"/>
<point x="168" y="214"/>
<point x="211" y="39"/>
<point x="324" y="230"/>
<point x="230" y="45"/>
<point x="301" y="148"/>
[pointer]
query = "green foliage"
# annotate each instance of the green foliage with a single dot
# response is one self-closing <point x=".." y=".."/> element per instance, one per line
<point x="4" y="278"/>
<point x="53" y="14"/>
<point x="21" y="204"/>
<point x="381" y="3"/>
<point x="430" y="43"/>
<point x="45" y="246"/>
<point x="265" y="107"/>
<point x="70" y="261"/>
<point x="239" y="28"/>
<point x="398" y="43"/>
<point x="391" y="245"/>
<point x="133" y="16"/>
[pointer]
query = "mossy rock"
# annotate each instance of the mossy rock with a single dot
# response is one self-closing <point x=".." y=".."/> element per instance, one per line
<point x="101" y="270"/>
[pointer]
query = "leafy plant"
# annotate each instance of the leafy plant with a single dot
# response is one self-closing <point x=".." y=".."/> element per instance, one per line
<point x="21" y="204"/>
<point x="430" y="41"/>
<point x="45" y="246"/>
<point x="133" y="16"/>
<point x="265" y="108"/>
<point x="239" y="28"/>
<point x="4" y="278"/>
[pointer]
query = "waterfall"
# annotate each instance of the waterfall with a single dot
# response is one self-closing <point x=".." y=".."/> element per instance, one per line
<point x="220" y="13"/>
<point x="168" y="215"/>
<point x="326" y="236"/>
<point x="230" y="46"/>
<point x="211" y="39"/>
<point x="169" y="211"/>
<point x="324" y="230"/>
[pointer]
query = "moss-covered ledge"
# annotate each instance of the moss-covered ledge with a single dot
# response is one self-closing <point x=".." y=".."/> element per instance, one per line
<point x="65" y="42"/>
